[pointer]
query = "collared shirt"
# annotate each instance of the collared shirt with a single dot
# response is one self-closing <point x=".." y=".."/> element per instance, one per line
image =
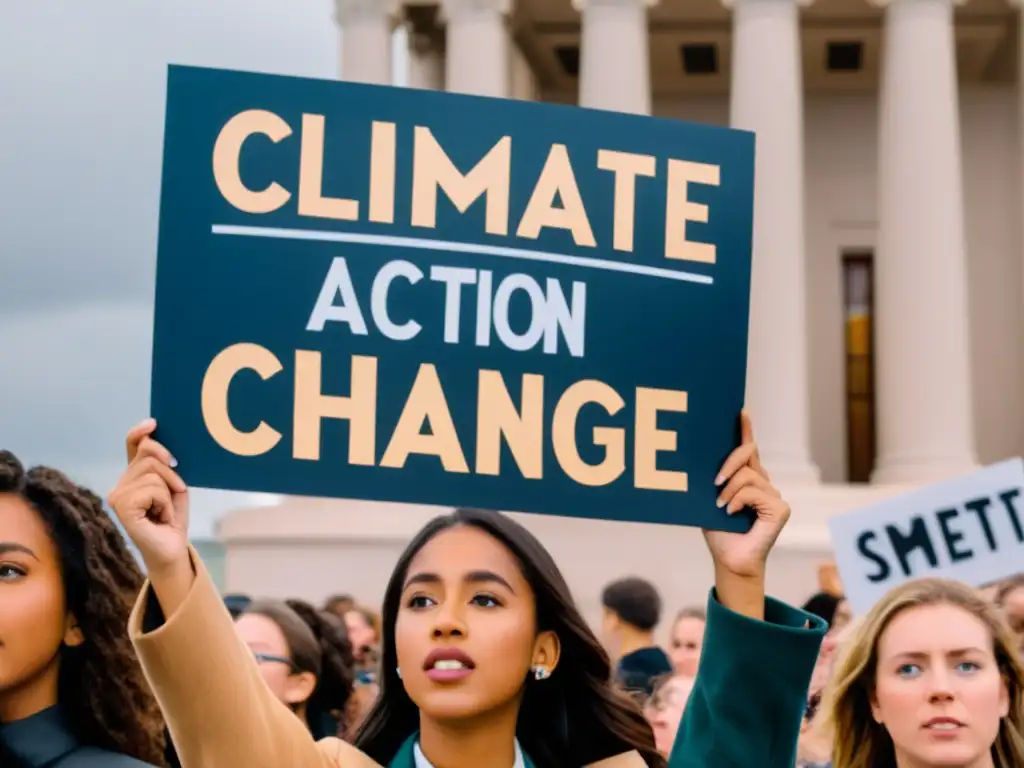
<point x="422" y="762"/>
<point x="44" y="740"/>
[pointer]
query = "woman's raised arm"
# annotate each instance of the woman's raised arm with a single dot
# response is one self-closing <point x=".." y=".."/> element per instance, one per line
<point x="750" y="694"/>
<point x="219" y="712"/>
<point x="749" y="698"/>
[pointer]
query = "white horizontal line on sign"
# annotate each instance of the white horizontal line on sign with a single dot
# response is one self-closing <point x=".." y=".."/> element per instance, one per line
<point x="394" y="241"/>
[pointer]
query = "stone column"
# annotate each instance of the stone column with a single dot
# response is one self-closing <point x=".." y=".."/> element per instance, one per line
<point x="477" y="46"/>
<point x="366" y="28"/>
<point x="767" y="98"/>
<point x="925" y="417"/>
<point x="615" y="61"/>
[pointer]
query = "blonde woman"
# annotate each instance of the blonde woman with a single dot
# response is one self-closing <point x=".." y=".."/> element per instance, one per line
<point x="687" y="640"/>
<point x="930" y="678"/>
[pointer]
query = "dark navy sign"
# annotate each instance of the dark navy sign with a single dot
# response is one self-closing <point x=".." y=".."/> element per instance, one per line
<point x="412" y="296"/>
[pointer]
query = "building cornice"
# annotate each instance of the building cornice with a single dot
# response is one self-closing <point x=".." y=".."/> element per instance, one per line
<point x="582" y="5"/>
<point x="346" y="11"/>
<point x="451" y="9"/>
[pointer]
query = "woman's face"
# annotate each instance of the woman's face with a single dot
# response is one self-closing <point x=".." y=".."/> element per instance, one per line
<point x="34" y="620"/>
<point x="466" y="630"/>
<point x="270" y="647"/>
<point x="685" y="644"/>
<point x="360" y="633"/>
<point x="827" y="655"/>
<point x="1013" y="607"/>
<point x="938" y="690"/>
<point x="842" y="617"/>
<point x="665" y="711"/>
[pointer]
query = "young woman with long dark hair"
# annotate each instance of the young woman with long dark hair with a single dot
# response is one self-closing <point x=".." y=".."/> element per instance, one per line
<point x="71" y="689"/>
<point x="485" y="657"/>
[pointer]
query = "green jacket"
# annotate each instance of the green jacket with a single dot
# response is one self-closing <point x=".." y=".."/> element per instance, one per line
<point x="749" y="698"/>
<point x="750" y="695"/>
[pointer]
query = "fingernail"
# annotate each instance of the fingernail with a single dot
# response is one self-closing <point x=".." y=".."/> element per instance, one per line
<point x="173" y="462"/>
<point x="720" y="479"/>
<point x="720" y="503"/>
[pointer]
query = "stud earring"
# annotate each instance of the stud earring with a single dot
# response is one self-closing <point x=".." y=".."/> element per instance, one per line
<point x="540" y="673"/>
<point x="398" y="671"/>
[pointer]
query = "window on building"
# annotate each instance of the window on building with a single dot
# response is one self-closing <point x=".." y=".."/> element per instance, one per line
<point x="858" y="300"/>
<point x="844" y="56"/>
<point x="569" y="59"/>
<point x="699" y="58"/>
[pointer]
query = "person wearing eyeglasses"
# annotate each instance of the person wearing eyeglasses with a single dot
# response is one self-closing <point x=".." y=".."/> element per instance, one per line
<point x="305" y="658"/>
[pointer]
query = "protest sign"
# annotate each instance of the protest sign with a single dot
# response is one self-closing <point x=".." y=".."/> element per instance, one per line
<point x="412" y="296"/>
<point x="968" y="528"/>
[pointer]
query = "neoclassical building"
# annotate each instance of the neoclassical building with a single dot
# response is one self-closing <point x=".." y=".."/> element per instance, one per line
<point x="886" y="322"/>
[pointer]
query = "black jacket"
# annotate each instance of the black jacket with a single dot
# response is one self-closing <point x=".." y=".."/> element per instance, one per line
<point x="44" y="741"/>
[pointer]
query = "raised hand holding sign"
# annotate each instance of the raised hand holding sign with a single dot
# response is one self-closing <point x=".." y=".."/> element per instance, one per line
<point x="151" y="501"/>
<point x="740" y="558"/>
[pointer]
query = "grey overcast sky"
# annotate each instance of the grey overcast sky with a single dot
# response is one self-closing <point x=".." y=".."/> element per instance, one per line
<point x="81" y="122"/>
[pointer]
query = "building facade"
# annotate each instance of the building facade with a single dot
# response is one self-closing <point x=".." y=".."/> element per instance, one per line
<point x="888" y="281"/>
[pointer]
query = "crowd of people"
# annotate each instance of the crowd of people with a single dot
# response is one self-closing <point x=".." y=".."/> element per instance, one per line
<point x="477" y="655"/>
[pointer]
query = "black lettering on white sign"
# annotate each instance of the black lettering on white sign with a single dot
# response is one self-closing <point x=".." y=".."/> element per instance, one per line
<point x="947" y="534"/>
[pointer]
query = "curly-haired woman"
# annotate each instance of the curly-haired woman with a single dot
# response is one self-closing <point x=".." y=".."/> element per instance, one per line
<point x="71" y="690"/>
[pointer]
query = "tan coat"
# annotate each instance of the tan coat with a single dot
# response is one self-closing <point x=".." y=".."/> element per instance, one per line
<point x="219" y="711"/>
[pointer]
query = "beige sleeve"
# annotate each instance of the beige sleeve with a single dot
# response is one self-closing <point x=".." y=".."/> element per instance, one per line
<point x="218" y="710"/>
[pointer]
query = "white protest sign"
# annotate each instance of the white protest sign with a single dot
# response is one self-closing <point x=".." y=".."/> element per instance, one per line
<point x="969" y="528"/>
